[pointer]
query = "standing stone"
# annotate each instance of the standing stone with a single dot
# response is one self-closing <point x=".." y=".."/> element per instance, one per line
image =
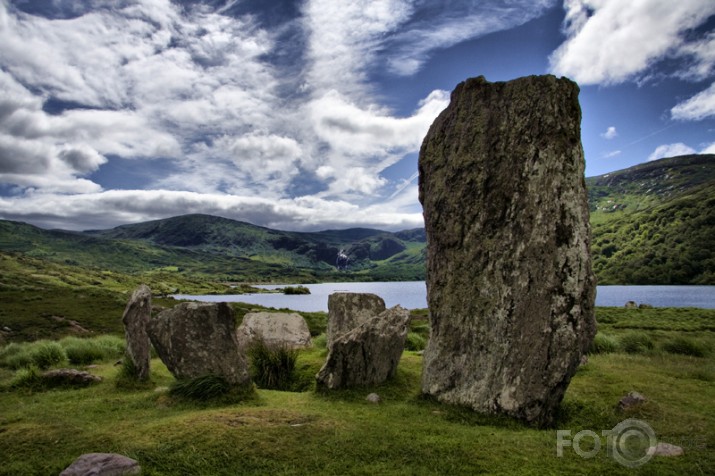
<point x="135" y="319"/>
<point x="346" y="311"/>
<point x="199" y="339"/>
<point x="368" y="354"/>
<point x="275" y="329"/>
<point x="510" y="286"/>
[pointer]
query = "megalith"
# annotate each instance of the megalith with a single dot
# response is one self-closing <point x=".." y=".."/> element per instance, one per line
<point x="199" y="339"/>
<point x="347" y="311"/>
<point x="275" y="329"/>
<point x="136" y="316"/>
<point x="509" y="282"/>
<point x="368" y="354"/>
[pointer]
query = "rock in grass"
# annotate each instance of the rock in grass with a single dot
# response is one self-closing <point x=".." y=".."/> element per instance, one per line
<point x="373" y="398"/>
<point x="630" y="401"/>
<point x="135" y="319"/>
<point x="346" y="311"/>
<point x="368" y="354"/>
<point x="275" y="328"/>
<point x="667" y="449"/>
<point x="69" y="377"/>
<point x="102" y="464"/>
<point x="509" y="280"/>
<point x="199" y="339"/>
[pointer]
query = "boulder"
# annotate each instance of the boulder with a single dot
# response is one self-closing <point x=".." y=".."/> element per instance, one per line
<point x="373" y="398"/>
<point x="630" y="305"/>
<point x="135" y="319"/>
<point x="275" y="328"/>
<point x="630" y="401"/>
<point x="102" y="464"/>
<point x="510" y="286"/>
<point x="667" y="449"/>
<point x="199" y="339"/>
<point x="368" y="354"/>
<point x="346" y="311"/>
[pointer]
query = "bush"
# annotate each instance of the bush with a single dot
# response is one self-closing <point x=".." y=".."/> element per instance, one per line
<point x="415" y="342"/>
<point x="320" y="342"/>
<point x="208" y="387"/>
<point x="296" y="290"/>
<point x="603" y="344"/>
<point x="636" y="342"/>
<point x="272" y="367"/>
<point x="685" y="346"/>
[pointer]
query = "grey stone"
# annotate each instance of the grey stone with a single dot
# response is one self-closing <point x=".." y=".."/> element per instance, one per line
<point x="346" y="311"/>
<point x="275" y="328"/>
<point x="632" y="400"/>
<point x="135" y="319"/>
<point x="368" y="354"/>
<point x="667" y="449"/>
<point x="630" y="305"/>
<point x="510" y="286"/>
<point x="199" y="339"/>
<point x="71" y="377"/>
<point x="373" y="398"/>
<point x="102" y="464"/>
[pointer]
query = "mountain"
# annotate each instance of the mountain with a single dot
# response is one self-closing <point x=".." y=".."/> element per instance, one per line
<point x="653" y="223"/>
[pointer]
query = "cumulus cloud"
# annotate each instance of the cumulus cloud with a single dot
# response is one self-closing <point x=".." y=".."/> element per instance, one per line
<point x="614" y="153"/>
<point x="671" y="150"/>
<point x="611" y="41"/>
<point x="610" y="133"/>
<point x="698" y="107"/>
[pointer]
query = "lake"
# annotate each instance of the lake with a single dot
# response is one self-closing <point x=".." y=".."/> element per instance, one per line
<point x="412" y="295"/>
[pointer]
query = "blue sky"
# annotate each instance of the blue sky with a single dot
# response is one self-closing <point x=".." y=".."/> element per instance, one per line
<point x="309" y="114"/>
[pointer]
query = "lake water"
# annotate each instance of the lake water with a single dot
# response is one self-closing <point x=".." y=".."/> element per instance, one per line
<point x="412" y="295"/>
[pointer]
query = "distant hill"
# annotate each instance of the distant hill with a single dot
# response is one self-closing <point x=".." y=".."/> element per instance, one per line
<point x="652" y="224"/>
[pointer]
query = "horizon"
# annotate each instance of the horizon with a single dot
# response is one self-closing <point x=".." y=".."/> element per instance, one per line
<point x="303" y="116"/>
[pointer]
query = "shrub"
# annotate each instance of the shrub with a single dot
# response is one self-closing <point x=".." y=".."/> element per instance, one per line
<point x="202" y="388"/>
<point x="272" y="367"/>
<point x="603" y="344"/>
<point x="685" y="346"/>
<point x="320" y="341"/>
<point x="415" y="342"/>
<point x="296" y="290"/>
<point x="636" y="342"/>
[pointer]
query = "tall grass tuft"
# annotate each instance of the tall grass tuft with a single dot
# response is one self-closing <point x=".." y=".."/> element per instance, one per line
<point x="45" y="354"/>
<point x="415" y="342"/>
<point x="685" y="346"/>
<point x="636" y="343"/>
<point x="272" y="367"/>
<point x="28" y="377"/>
<point x="82" y="351"/>
<point x="603" y="344"/>
<point x="204" y="388"/>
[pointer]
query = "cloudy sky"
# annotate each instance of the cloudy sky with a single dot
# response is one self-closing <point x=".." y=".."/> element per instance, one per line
<point x="308" y="114"/>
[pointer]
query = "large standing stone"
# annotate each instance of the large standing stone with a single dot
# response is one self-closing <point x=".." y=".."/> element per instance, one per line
<point x="510" y="286"/>
<point x="135" y="319"/>
<point x="368" y="354"/>
<point x="346" y="311"/>
<point x="199" y="339"/>
<point x="275" y="329"/>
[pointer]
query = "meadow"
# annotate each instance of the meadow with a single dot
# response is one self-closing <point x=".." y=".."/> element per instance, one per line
<point x="665" y="354"/>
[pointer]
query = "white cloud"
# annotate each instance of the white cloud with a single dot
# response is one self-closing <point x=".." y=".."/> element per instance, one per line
<point x="698" y="107"/>
<point x="671" y="150"/>
<point x="708" y="149"/>
<point x="612" y="154"/>
<point x="611" y="41"/>
<point x="610" y="133"/>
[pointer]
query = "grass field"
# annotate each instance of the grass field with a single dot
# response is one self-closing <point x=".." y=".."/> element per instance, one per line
<point x="43" y="430"/>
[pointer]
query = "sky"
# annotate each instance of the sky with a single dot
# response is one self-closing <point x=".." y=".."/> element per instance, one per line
<point x="309" y="114"/>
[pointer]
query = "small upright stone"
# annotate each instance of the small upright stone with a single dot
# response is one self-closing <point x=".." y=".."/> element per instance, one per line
<point x="135" y="319"/>
<point x="346" y="311"/>
<point x="509" y="280"/>
<point x="199" y="339"/>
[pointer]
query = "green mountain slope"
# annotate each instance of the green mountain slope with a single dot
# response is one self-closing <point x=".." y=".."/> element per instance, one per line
<point x="655" y="223"/>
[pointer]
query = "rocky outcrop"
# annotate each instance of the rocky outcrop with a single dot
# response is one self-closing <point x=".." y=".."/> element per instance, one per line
<point x="102" y="464"/>
<point x="368" y="354"/>
<point x="135" y="319"/>
<point x="275" y="329"/>
<point x="199" y="339"/>
<point x="509" y="280"/>
<point x="346" y="311"/>
<point x="69" y="377"/>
